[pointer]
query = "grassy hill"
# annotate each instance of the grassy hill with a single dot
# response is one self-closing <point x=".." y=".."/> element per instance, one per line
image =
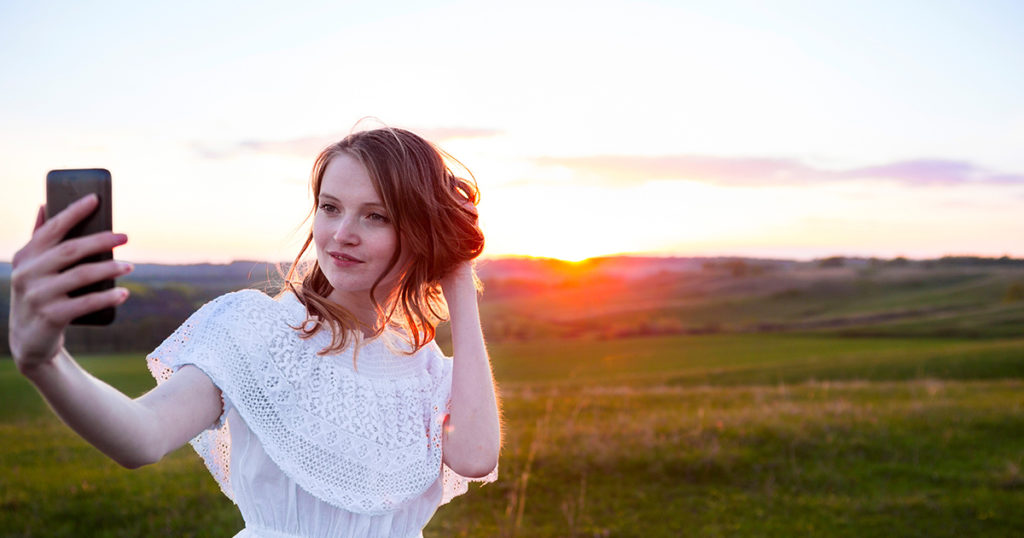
<point x="859" y="299"/>
<point x="711" y="435"/>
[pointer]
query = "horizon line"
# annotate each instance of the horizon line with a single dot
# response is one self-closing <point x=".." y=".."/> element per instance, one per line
<point x="634" y="255"/>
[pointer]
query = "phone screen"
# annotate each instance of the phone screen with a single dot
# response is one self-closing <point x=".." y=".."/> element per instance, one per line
<point x="64" y="187"/>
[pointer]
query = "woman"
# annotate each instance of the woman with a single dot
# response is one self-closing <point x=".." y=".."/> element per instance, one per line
<point x="328" y="410"/>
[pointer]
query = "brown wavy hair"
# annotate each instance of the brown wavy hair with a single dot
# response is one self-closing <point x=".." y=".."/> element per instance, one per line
<point x="428" y="206"/>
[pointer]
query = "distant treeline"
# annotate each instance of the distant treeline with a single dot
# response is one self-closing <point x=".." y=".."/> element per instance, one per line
<point x="1004" y="261"/>
<point x="617" y="297"/>
<point x="162" y="297"/>
<point x="146" y="319"/>
<point x="945" y="261"/>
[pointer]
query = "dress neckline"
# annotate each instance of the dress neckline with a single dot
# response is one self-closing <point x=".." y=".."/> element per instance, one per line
<point x="384" y="355"/>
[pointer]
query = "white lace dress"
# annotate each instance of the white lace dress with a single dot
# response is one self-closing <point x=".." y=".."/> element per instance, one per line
<point x="311" y="445"/>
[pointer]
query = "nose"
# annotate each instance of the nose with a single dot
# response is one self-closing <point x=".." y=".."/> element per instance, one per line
<point x="347" y="232"/>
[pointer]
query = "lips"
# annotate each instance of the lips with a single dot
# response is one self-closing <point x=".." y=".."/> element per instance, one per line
<point x="345" y="258"/>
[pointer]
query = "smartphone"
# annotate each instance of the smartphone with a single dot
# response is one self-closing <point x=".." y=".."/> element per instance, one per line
<point x="64" y="187"/>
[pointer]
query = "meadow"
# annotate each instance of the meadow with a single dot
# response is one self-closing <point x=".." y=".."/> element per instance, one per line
<point x="671" y="435"/>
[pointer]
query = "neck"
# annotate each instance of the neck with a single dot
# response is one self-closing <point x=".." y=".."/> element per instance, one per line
<point x="360" y="306"/>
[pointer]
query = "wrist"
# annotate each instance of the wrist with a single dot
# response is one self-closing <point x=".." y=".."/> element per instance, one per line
<point x="35" y="369"/>
<point x="460" y="281"/>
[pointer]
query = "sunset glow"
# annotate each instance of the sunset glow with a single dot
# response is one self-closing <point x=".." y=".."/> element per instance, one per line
<point x="679" y="128"/>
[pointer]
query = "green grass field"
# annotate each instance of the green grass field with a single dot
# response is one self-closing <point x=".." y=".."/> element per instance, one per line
<point x="720" y="435"/>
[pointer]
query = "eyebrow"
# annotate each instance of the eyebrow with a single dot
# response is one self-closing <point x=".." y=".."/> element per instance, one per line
<point x="324" y="195"/>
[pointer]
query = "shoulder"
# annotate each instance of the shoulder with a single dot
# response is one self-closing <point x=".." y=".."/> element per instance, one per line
<point x="225" y="328"/>
<point x="247" y="299"/>
<point x="435" y="351"/>
<point x="389" y="356"/>
<point x="238" y="309"/>
<point x="242" y="297"/>
<point x="438" y="364"/>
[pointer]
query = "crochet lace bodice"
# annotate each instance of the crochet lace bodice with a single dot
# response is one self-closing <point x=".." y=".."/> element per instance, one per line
<point x="360" y="438"/>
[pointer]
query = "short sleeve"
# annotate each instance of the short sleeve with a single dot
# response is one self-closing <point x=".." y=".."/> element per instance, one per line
<point x="455" y="484"/>
<point x="213" y="332"/>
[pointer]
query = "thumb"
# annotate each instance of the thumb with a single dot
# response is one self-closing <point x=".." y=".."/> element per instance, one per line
<point x="40" y="218"/>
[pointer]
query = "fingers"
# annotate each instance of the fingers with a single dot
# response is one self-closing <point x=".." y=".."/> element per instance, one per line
<point x="60" y="313"/>
<point x="64" y="254"/>
<point x="28" y="250"/>
<point x="467" y="194"/>
<point x="40" y="218"/>
<point x="56" y="227"/>
<point x="468" y="206"/>
<point x="86" y="274"/>
<point x="45" y="294"/>
<point x="471" y="207"/>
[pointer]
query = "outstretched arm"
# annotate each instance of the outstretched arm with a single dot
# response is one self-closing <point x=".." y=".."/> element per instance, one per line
<point x="131" y="432"/>
<point x="472" y="436"/>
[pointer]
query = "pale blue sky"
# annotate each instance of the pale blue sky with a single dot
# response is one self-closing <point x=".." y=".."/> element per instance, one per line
<point x="792" y="129"/>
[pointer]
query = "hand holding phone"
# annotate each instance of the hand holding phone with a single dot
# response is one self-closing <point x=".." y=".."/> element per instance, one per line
<point x="42" y="279"/>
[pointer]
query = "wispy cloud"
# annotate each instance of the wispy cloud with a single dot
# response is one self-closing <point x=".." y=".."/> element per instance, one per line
<point x="309" y="146"/>
<point x="300" y="147"/>
<point x="446" y="134"/>
<point x="626" y="169"/>
<point x="752" y="171"/>
<point x="933" y="172"/>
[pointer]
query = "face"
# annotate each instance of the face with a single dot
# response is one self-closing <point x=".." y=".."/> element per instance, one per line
<point x="354" y="236"/>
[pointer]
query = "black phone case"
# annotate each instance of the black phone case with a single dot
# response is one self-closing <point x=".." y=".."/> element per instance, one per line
<point x="64" y="187"/>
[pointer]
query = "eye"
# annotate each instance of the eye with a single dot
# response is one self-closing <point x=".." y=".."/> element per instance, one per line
<point x="328" y="208"/>
<point x="379" y="218"/>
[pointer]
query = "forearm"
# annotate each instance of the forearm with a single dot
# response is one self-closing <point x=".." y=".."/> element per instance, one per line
<point x="115" y="424"/>
<point x="473" y="434"/>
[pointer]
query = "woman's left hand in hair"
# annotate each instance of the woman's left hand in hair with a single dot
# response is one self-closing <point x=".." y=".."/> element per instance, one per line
<point x="463" y="276"/>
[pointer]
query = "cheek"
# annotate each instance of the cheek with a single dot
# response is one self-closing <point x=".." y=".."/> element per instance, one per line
<point x="320" y="236"/>
<point x="386" y="246"/>
<point x="385" y="242"/>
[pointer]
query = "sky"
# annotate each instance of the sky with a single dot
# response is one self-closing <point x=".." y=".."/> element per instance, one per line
<point x="765" y="129"/>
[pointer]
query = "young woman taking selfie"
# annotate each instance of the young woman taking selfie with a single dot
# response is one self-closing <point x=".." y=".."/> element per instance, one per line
<point x="327" y="410"/>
